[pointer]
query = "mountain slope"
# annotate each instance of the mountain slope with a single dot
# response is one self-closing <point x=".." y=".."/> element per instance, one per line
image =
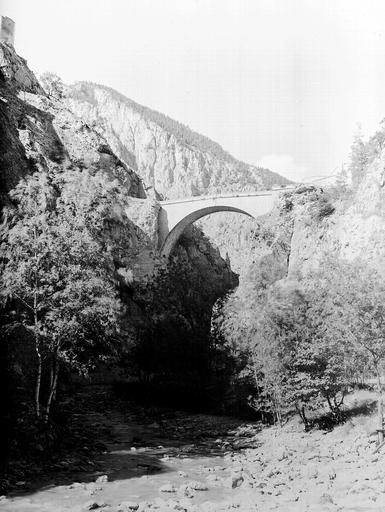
<point x="39" y="132"/>
<point x="170" y="157"/>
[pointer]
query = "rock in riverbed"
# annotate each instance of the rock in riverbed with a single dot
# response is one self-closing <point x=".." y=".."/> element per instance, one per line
<point x="167" y="488"/>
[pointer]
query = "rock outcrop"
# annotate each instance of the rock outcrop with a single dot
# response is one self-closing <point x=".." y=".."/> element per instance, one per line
<point x="14" y="70"/>
<point x="354" y="229"/>
<point x="308" y="225"/>
<point x="168" y="156"/>
<point x="40" y="134"/>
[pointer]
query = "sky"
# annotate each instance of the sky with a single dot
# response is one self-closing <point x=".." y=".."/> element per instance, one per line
<point x="278" y="83"/>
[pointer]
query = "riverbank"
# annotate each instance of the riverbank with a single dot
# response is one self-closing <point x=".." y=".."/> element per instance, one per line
<point x="157" y="459"/>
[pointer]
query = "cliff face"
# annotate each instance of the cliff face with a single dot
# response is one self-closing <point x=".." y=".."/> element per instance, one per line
<point x="15" y="79"/>
<point x="167" y="155"/>
<point x="15" y="72"/>
<point x="40" y="132"/>
<point x="307" y="226"/>
<point x="354" y="230"/>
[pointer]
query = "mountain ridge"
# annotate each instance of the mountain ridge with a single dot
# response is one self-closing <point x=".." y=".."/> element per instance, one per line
<point x="167" y="122"/>
<point x="169" y="156"/>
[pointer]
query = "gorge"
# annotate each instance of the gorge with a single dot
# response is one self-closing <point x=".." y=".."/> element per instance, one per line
<point x="197" y="245"/>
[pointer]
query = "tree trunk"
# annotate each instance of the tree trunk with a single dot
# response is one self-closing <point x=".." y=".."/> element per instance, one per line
<point x="52" y="391"/>
<point x="302" y="414"/>
<point x="379" y="408"/>
<point x="279" y="416"/>
<point x="304" y="418"/>
<point x="330" y="404"/>
<point x="38" y="379"/>
<point x="38" y="354"/>
<point x="277" y="409"/>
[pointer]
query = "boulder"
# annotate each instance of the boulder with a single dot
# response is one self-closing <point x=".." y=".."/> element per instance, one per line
<point x="93" y="505"/>
<point x="167" y="488"/>
<point x="195" y="485"/>
<point x="127" y="506"/>
<point x="102" y="479"/>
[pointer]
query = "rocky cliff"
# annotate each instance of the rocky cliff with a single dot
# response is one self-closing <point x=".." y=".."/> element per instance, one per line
<point x="354" y="229"/>
<point x="169" y="157"/>
<point x="44" y="131"/>
<point x="308" y="225"/>
<point x="40" y="134"/>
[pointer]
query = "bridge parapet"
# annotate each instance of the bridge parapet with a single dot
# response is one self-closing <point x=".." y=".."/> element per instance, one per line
<point x="224" y="196"/>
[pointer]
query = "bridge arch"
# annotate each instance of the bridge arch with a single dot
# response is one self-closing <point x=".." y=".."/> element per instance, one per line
<point x="176" y="215"/>
<point x="174" y="235"/>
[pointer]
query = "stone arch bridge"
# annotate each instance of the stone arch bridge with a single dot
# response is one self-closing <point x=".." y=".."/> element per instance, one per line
<point x="176" y="215"/>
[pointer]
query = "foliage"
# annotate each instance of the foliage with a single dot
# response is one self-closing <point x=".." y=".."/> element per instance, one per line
<point x="358" y="159"/>
<point x="307" y="341"/>
<point x="356" y="312"/>
<point x="363" y="153"/>
<point x="359" y="320"/>
<point x="58" y="271"/>
<point x="52" y="84"/>
<point x="299" y="366"/>
<point x="178" y="305"/>
<point x="175" y="357"/>
<point x="376" y="143"/>
<point x="323" y="208"/>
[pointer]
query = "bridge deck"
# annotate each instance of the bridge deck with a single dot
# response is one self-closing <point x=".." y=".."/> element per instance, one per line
<point x="220" y="196"/>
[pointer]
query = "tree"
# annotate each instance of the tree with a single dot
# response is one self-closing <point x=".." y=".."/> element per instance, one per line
<point x="296" y="356"/>
<point x="251" y="339"/>
<point x="58" y="270"/>
<point x="175" y="337"/>
<point x="376" y="144"/>
<point x="290" y="359"/>
<point x="52" y="84"/>
<point x="359" y="319"/>
<point x="358" y="158"/>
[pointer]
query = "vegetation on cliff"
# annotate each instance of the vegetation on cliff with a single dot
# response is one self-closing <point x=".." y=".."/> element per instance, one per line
<point x="57" y="277"/>
<point x="308" y="341"/>
<point x="67" y="300"/>
<point x="363" y="153"/>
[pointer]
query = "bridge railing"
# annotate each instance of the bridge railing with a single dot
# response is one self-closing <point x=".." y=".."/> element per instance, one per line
<point x="268" y="192"/>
